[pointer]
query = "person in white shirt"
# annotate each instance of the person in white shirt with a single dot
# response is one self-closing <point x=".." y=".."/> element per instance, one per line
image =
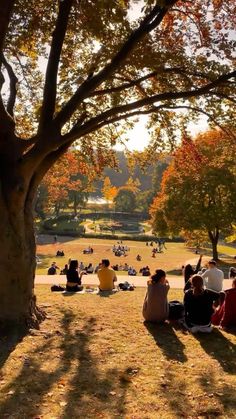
<point x="213" y="277"/>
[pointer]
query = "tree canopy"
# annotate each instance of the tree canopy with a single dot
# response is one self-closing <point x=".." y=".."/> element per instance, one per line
<point x="198" y="191"/>
<point x="103" y="63"/>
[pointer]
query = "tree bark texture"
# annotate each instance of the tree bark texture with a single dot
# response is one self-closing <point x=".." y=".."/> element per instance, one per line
<point x="17" y="259"/>
<point x="214" y="237"/>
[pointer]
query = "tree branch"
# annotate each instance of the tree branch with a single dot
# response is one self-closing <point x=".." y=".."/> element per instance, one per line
<point x="13" y="82"/>
<point x="50" y="87"/>
<point x="152" y="20"/>
<point x="5" y="14"/>
<point x="122" y="109"/>
<point x="161" y="70"/>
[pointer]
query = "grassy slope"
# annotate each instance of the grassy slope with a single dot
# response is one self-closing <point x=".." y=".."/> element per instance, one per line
<point x="94" y="358"/>
<point x="171" y="259"/>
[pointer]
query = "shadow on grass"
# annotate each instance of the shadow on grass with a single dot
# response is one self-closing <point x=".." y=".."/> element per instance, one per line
<point x="9" y="342"/>
<point x="87" y="390"/>
<point x="220" y="348"/>
<point x="106" y="293"/>
<point x="224" y="392"/>
<point x="167" y="340"/>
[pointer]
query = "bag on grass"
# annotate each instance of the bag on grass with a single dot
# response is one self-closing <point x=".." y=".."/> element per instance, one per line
<point x="57" y="288"/>
<point x="126" y="286"/>
<point x="176" y="310"/>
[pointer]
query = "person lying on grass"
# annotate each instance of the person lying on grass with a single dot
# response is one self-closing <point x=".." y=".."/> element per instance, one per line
<point x="73" y="277"/>
<point x="198" y="305"/>
<point x="155" y="306"/>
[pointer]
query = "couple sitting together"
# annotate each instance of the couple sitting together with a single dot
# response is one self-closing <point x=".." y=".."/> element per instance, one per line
<point x="199" y="304"/>
<point x="106" y="276"/>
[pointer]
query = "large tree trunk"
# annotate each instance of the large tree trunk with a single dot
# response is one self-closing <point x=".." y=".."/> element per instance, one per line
<point x="17" y="269"/>
<point x="214" y="237"/>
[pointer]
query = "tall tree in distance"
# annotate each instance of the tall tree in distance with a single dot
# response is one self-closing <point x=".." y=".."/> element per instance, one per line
<point x="198" y="191"/>
<point x="72" y="71"/>
<point x="109" y="191"/>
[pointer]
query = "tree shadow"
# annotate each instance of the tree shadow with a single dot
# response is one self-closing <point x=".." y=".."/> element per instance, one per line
<point x="89" y="387"/>
<point x="106" y="294"/>
<point x="9" y="341"/>
<point x="220" y="348"/>
<point x="88" y="382"/>
<point x="167" y="340"/>
<point x="222" y="391"/>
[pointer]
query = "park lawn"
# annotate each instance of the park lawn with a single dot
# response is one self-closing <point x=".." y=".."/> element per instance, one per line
<point x="171" y="259"/>
<point x="94" y="358"/>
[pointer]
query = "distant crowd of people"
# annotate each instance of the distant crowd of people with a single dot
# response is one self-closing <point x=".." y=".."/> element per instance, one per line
<point x="119" y="249"/>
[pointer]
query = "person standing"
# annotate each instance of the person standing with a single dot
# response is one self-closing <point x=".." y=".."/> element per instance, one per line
<point x="213" y="277"/>
<point x="106" y="276"/>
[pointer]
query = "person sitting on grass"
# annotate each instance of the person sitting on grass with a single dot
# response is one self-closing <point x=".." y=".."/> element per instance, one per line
<point x="225" y="316"/>
<point x="189" y="271"/>
<point x="106" y="276"/>
<point x="155" y="306"/>
<point x="198" y="306"/>
<point x="213" y="277"/>
<point x="53" y="269"/>
<point x="232" y="272"/>
<point x="73" y="278"/>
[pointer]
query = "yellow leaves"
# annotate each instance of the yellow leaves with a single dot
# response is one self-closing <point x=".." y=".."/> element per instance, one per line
<point x="123" y="3"/>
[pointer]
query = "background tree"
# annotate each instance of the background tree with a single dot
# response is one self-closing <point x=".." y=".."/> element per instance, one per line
<point x="69" y="180"/>
<point x="198" y="190"/>
<point x="125" y="199"/>
<point x="72" y="71"/>
<point x="109" y="191"/>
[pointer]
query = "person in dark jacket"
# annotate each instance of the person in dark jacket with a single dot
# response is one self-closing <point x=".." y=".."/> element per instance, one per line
<point x="73" y="278"/>
<point x="189" y="271"/>
<point x="198" y="306"/>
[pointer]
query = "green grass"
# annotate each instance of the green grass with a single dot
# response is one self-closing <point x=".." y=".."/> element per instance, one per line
<point x="95" y="358"/>
<point x="171" y="260"/>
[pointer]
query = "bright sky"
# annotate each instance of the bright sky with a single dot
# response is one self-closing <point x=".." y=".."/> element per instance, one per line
<point x="138" y="137"/>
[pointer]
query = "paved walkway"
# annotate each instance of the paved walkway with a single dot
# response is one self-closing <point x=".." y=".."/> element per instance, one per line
<point x="139" y="281"/>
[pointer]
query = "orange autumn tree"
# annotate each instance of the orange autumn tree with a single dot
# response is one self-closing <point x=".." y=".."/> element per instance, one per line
<point x="60" y="179"/>
<point x="70" y="179"/>
<point x="109" y="191"/>
<point x="198" y="190"/>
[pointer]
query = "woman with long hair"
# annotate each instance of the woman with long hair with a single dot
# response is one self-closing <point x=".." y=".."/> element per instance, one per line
<point x="189" y="271"/>
<point x="155" y="306"/>
<point x="198" y="305"/>
<point x="73" y="278"/>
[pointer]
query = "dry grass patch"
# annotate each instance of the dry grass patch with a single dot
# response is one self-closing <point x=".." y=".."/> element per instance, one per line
<point x="94" y="357"/>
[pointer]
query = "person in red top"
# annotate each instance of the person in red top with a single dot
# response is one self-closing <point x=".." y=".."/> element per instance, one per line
<point x="225" y="316"/>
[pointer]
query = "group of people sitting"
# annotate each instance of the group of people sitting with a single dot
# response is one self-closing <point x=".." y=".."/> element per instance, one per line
<point x="60" y="253"/>
<point x="106" y="276"/>
<point x="88" y="251"/>
<point x="204" y="301"/>
<point x="145" y="271"/>
<point x="160" y="245"/>
<point x="119" y="249"/>
<point x="127" y="268"/>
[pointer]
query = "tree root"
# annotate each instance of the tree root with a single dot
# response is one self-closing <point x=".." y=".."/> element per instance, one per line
<point x="36" y="315"/>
